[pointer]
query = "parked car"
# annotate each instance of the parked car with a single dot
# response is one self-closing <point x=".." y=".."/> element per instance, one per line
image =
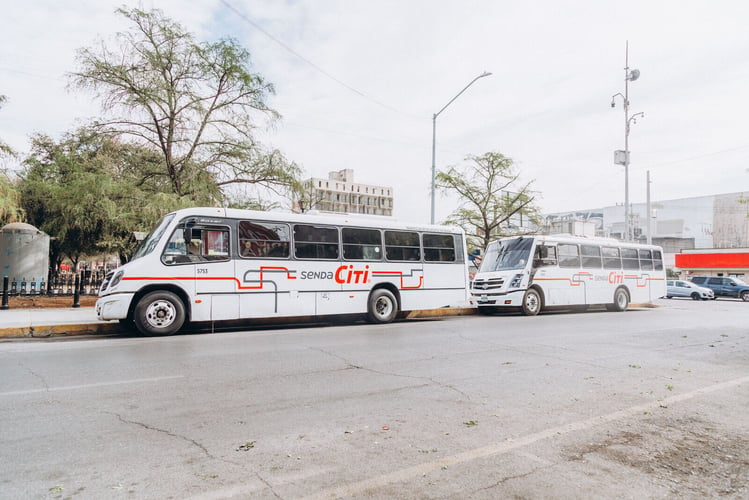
<point x="678" y="288"/>
<point x="724" y="287"/>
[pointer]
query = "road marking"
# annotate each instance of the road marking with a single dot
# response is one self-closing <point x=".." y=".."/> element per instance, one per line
<point x="89" y="386"/>
<point x="360" y="487"/>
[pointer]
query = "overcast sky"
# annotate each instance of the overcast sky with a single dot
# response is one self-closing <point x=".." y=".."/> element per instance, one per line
<point x="357" y="83"/>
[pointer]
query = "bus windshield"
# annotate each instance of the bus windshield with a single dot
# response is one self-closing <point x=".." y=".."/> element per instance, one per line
<point x="505" y="255"/>
<point x="149" y="243"/>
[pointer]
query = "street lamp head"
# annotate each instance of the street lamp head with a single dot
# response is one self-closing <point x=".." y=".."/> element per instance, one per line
<point x="633" y="75"/>
<point x="613" y="103"/>
<point x="485" y="73"/>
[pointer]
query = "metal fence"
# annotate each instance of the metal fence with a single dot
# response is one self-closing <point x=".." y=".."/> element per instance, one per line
<point x="87" y="282"/>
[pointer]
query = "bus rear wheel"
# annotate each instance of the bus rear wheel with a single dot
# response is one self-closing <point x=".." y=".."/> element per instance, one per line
<point x="531" y="302"/>
<point x="621" y="301"/>
<point x="382" y="306"/>
<point x="159" y="313"/>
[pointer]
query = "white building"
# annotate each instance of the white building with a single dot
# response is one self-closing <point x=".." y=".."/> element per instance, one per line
<point x="715" y="221"/>
<point x="339" y="193"/>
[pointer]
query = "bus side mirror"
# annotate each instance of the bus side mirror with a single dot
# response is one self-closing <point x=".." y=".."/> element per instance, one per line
<point x="188" y="235"/>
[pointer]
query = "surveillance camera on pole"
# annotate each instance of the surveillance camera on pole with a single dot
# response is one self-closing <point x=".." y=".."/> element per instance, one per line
<point x="622" y="157"/>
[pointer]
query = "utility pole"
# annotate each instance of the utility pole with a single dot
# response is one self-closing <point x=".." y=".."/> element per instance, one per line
<point x="649" y="212"/>
<point x="622" y="157"/>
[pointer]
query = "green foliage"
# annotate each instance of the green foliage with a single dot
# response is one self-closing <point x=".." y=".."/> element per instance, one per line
<point x="88" y="192"/>
<point x="192" y="102"/>
<point x="10" y="202"/>
<point x="490" y="194"/>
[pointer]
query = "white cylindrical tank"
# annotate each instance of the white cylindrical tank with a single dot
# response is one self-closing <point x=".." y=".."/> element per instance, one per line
<point x="24" y="256"/>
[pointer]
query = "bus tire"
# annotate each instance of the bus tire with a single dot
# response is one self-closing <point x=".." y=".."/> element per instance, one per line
<point x="159" y="313"/>
<point x="621" y="301"/>
<point x="531" y="302"/>
<point x="382" y="306"/>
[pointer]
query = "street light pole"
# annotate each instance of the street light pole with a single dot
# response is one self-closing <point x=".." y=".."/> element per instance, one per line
<point x="629" y="76"/>
<point x="434" y="134"/>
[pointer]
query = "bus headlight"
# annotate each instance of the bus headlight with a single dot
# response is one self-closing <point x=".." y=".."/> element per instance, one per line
<point x="516" y="280"/>
<point x="117" y="278"/>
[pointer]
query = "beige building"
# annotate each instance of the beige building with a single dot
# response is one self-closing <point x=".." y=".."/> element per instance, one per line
<point x="339" y="193"/>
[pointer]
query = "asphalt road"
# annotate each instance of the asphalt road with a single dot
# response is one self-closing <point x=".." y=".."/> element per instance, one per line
<point x="649" y="403"/>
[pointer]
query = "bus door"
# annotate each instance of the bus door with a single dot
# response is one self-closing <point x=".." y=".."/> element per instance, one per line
<point x="209" y="248"/>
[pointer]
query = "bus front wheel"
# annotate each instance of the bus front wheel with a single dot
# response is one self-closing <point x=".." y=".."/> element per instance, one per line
<point x="621" y="300"/>
<point x="382" y="306"/>
<point x="531" y="302"/>
<point x="159" y="313"/>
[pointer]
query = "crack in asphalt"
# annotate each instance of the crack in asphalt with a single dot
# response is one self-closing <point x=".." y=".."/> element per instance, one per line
<point x="268" y="485"/>
<point x="36" y="375"/>
<point x="171" y="434"/>
<point x="350" y="365"/>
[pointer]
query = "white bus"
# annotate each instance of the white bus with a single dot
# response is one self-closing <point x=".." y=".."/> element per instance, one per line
<point x="537" y="272"/>
<point x="217" y="264"/>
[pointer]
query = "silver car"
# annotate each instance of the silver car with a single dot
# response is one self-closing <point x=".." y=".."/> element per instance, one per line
<point x="678" y="288"/>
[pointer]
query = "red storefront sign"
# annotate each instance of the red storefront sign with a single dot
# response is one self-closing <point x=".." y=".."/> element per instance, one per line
<point x="712" y="260"/>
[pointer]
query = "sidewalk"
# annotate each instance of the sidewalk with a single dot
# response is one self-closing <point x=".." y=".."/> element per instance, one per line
<point x="21" y="323"/>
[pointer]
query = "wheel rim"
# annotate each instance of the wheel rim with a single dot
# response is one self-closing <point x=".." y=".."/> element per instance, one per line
<point x="531" y="302"/>
<point x="161" y="314"/>
<point x="621" y="299"/>
<point x="383" y="307"/>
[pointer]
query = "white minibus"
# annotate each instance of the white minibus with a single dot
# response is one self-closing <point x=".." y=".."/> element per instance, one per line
<point x="533" y="273"/>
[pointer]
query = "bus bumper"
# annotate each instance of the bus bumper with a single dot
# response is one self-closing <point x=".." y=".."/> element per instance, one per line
<point x="113" y="306"/>
<point x="509" y="299"/>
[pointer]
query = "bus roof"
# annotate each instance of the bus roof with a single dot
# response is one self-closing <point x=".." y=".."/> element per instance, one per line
<point x="568" y="238"/>
<point x="352" y="220"/>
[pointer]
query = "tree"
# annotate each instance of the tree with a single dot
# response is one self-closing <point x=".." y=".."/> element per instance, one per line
<point x="10" y="203"/>
<point x="193" y="102"/>
<point x="88" y="193"/>
<point x="491" y="194"/>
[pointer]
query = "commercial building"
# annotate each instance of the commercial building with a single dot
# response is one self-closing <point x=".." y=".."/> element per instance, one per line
<point x="700" y="235"/>
<point x="339" y="193"/>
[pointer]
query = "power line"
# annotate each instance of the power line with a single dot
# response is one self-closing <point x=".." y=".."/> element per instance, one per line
<point x="697" y="157"/>
<point x="313" y="65"/>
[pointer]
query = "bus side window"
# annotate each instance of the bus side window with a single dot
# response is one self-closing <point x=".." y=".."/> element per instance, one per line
<point x="569" y="256"/>
<point x="629" y="259"/>
<point x="545" y="255"/>
<point x="205" y="245"/>
<point x="611" y="258"/>
<point x="591" y="256"/>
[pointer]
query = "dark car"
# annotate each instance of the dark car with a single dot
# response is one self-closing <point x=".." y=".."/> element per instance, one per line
<point x="724" y="287"/>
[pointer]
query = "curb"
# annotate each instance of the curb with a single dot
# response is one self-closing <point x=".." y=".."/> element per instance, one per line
<point x="110" y="328"/>
<point x="46" y="331"/>
<point x="445" y="311"/>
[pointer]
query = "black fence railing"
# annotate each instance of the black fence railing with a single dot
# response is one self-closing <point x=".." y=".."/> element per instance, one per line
<point x="86" y="282"/>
